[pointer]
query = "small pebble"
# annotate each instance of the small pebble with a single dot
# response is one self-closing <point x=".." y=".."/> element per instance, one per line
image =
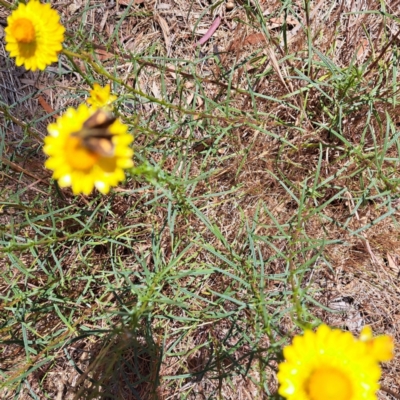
<point x="230" y="5"/>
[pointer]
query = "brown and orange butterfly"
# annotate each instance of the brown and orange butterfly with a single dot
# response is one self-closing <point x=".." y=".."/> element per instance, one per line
<point x="95" y="135"/>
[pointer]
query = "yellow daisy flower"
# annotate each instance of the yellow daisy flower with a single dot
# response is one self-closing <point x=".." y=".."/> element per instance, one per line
<point x="101" y="96"/>
<point x="74" y="157"/>
<point x="328" y="365"/>
<point x="34" y="35"/>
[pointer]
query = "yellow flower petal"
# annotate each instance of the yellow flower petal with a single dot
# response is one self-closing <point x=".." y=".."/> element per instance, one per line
<point x="366" y="333"/>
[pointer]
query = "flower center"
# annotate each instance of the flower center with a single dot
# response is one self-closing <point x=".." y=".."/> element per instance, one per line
<point x="23" y="30"/>
<point x="108" y="164"/>
<point x="329" y="384"/>
<point x="77" y="156"/>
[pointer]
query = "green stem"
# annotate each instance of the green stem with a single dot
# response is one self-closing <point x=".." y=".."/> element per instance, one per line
<point x="97" y="68"/>
<point x="7" y="5"/>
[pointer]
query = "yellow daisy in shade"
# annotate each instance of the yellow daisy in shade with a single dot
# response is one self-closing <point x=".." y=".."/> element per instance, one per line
<point x="101" y="96"/>
<point x="328" y="365"/>
<point x="34" y="35"/>
<point x="85" y="160"/>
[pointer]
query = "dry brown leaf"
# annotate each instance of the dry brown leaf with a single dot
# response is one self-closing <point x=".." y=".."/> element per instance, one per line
<point x="278" y="22"/>
<point x="126" y="2"/>
<point x="30" y="82"/>
<point x="165" y="30"/>
<point x="132" y="44"/>
<point x="275" y="65"/>
<point x="163" y="6"/>
<point x="362" y="49"/>
<point x="254" y="38"/>
<point x="189" y="98"/>
<point x="103" y="21"/>
<point x="46" y="106"/>
<point x="392" y="265"/>
<point x="156" y="91"/>
<point x="103" y="54"/>
<point x="75" y="6"/>
<point x="171" y="68"/>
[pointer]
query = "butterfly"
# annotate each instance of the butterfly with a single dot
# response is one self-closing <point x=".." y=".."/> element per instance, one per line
<point x="95" y="135"/>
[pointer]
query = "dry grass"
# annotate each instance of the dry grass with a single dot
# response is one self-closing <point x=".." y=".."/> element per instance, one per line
<point x="274" y="204"/>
